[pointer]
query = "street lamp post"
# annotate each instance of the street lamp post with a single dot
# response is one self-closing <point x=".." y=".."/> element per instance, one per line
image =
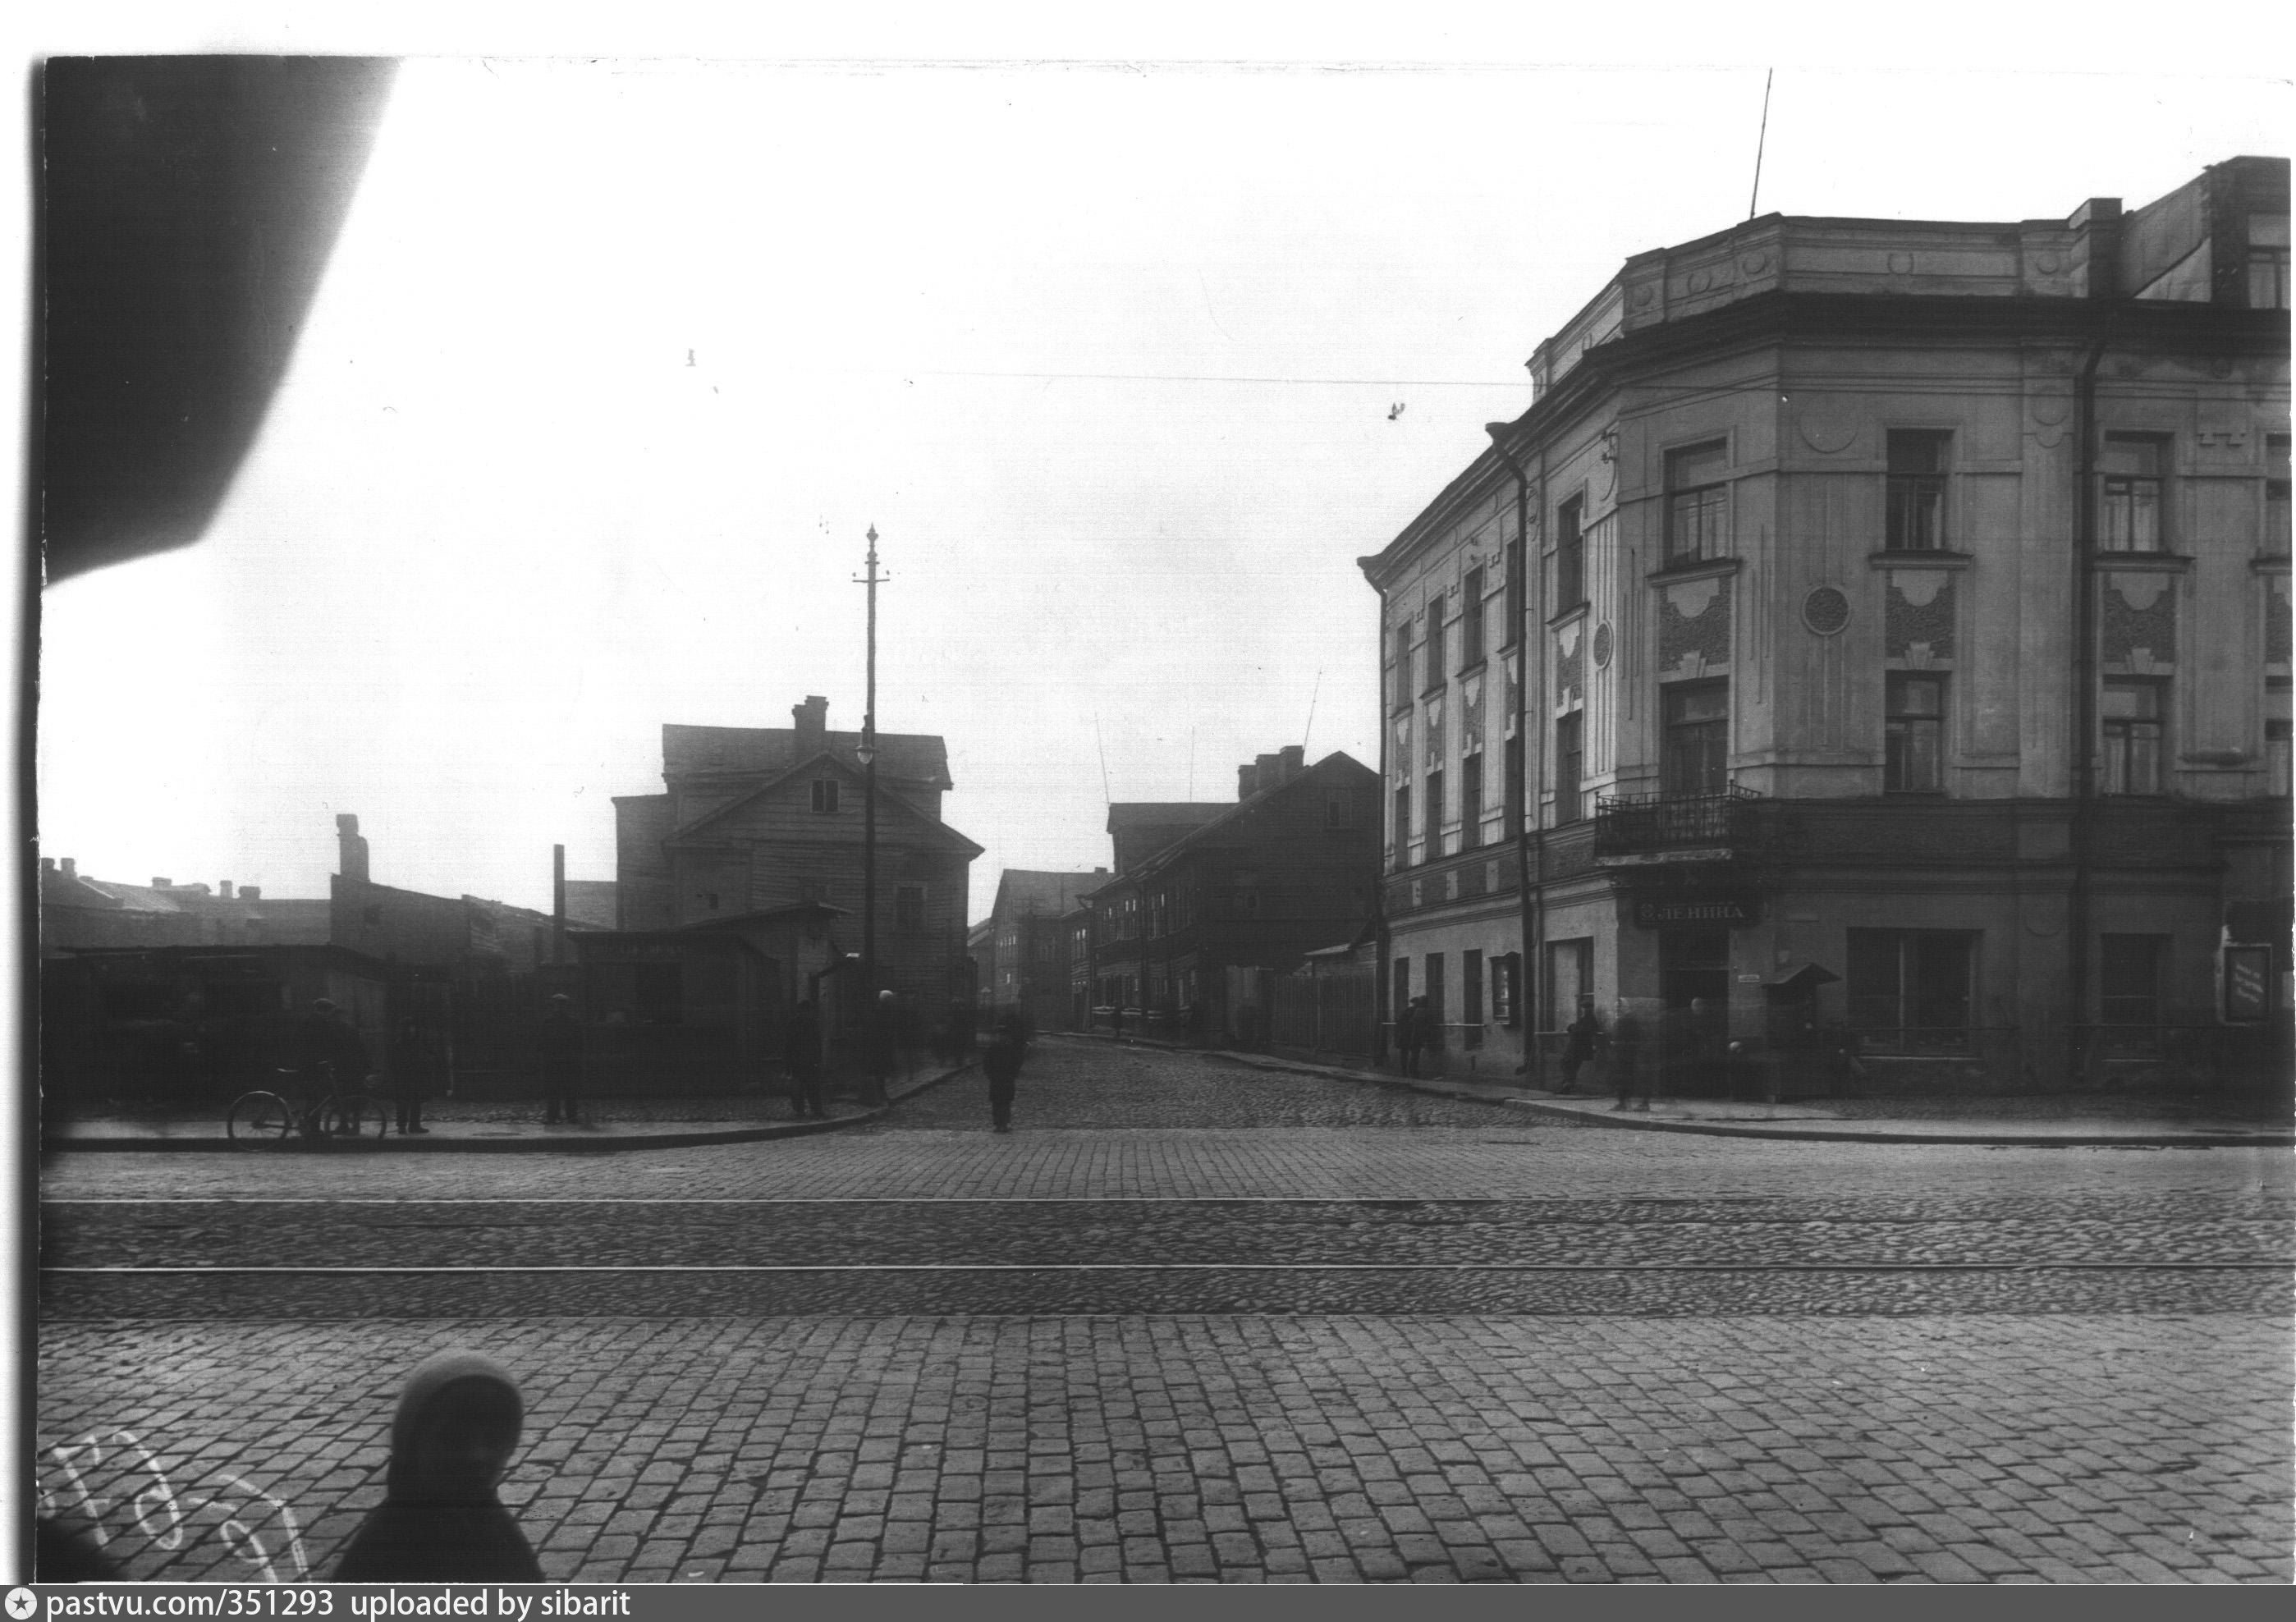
<point x="872" y="1016"/>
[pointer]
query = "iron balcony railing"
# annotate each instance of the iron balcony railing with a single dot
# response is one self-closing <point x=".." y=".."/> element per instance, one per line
<point x="1654" y="824"/>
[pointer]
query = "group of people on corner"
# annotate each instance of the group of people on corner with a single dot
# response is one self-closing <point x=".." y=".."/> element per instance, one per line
<point x="1692" y="1051"/>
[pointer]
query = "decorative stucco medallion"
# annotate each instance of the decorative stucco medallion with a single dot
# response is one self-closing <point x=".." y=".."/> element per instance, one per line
<point x="1825" y="434"/>
<point x="1825" y="610"/>
<point x="1603" y="646"/>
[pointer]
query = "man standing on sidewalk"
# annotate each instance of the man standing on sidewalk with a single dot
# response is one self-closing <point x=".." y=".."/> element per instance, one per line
<point x="1626" y="1059"/>
<point x="801" y="1045"/>
<point x="1001" y="1062"/>
<point x="1582" y="1033"/>
<point x="560" y="1047"/>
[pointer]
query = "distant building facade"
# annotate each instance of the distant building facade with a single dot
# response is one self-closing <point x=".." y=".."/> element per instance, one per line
<point x="77" y="911"/>
<point x="1030" y="965"/>
<point x="1875" y="623"/>
<point x="755" y="819"/>
<point x="1254" y="886"/>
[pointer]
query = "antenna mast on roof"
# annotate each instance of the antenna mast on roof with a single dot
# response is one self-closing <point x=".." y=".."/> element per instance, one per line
<point x="1106" y="798"/>
<point x="1760" y="141"/>
<point x="1315" y="693"/>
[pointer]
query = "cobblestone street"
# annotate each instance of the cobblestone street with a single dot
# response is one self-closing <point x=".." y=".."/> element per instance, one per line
<point x="1194" y="1321"/>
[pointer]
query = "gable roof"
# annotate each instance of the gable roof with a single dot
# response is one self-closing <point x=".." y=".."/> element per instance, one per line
<point x="845" y="769"/>
<point x="1337" y="763"/>
<point x="1163" y="814"/>
<point x="767" y="751"/>
<point x="1048" y="894"/>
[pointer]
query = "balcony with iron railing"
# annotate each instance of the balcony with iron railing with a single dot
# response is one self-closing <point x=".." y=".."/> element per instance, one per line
<point x="1631" y="829"/>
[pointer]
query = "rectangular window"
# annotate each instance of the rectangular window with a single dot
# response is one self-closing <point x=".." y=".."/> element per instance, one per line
<point x="2275" y="757"/>
<point x="1436" y="674"/>
<point x="1570" y="756"/>
<point x="1402" y="665"/>
<point x="1913" y="734"/>
<point x="1504" y="971"/>
<point x="1403" y="826"/>
<point x="1697" y="745"/>
<point x="2134" y="467"/>
<point x="824" y="794"/>
<point x="1434" y="813"/>
<point x="1436" y="1002"/>
<point x="1513" y="790"/>
<point x="1916" y="490"/>
<point x="1470" y="802"/>
<point x="2275" y="493"/>
<point x="1515" y="554"/>
<point x="2134" y="713"/>
<point x="1471" y="622"/>
<point x="1697" y="503"/>
<point x="2128" y="978"/>
<point x="2268" y="261"/>
<point x="1910" y="990"/>
<point x="1570" y="555"/>
<point x="1470" y="997"/>
<point x="1399" y="996"/>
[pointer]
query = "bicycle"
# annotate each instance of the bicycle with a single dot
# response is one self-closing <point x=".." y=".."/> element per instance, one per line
<point x="265" y="1119"/>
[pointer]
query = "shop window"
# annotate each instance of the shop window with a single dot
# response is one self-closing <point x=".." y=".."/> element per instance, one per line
<point x="2132" y="712"/>
<point x="1569" y="976"/>
<point x="1697" y="503"/>
<point x="2135" y="468"/>
<point x="1504" y="973"/>
<point x="1910" y="990"/>
<point x="1916" y="490"/>
<point x="1913" y="734"/>
<point x="2128" y="978"/>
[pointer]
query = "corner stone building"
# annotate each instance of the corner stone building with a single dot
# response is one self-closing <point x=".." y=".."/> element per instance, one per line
<point x="755" y="819"/>
<point x="1883" y="623"/>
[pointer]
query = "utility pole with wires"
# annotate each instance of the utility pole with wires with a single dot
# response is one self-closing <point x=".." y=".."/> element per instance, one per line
<point x="876" y="1028"/>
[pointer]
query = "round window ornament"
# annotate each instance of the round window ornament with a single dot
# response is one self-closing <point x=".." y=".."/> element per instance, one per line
<point x="1603" y="646"/>
<point x="1825" y="610"/>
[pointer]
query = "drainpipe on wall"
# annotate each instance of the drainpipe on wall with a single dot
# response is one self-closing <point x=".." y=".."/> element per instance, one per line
<point x="2085" y="677"/>
<point x="1531" y="837"/>
<point x="1382" y="942"/>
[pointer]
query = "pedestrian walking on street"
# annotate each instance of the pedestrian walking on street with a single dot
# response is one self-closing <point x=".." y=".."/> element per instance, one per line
<point x="801" y="1045"/>
<point x="440" y="1520"/>
<point x="1001" y="1062"/>
<point x="410" y="1073"/>
<point x="1421" y="1034"/>
<point x="1406" y="1036"/>
<point x="561" y="1046"/>
<point x="1583" y="1032"/>
<point x="1626" y="1068"/>
<point x="1115" y="1022"/>
<point x="329" y="1059"/>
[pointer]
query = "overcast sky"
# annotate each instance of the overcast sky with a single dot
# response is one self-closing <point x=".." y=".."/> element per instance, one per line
<point x="616" y="362"/>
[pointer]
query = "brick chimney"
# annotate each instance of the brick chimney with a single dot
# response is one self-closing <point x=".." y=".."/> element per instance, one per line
<point x="352" y="863"/>
<point x="71" y="868"/>
<point x="251" y="893"/>
<point x="812" y="718"/>
<point x="1247" y="781"/>
<point x="1295" y="760"/>
<point x="160" y="883"/>
<point x="223" y="889"/>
